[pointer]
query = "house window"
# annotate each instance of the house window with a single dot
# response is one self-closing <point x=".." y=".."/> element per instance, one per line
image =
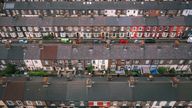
<point x="167" y="28"/>
<point x="156" y="62"/>
<point x="4" y="29"/>
<point x="161" y="62"/>
<point x="147" y="61"/>
<point x="36" y="61"/>
<point x="24" y="29"/>
<point x="30" y="13"/>
<point x="128" y="28"/>
<point x="181" y="61"/>
<point x="93" y="61"/>
<point x="122" y="28"/>
<point x="114" y="28"/>
<point x="13" y="35"/>
<point x="10" y="29"/>
<point x="8" y="12"/>
<point x="30" y="28"/>
<point x="134" y="28"/>
<point x="35" y="12"/>
<point x="46" y="62"/>
<point x="102" y="67"/>
<point x="190" y="62"/>
<point x="140" y="28"/>
<point x="173" y="34"/>
<point x="103" y="61"/>
<point x="160" y="28"/>
<point x="148" y="28"/>
<point x="36" y="29"/>
<point x="55" y="28"/>
<point x="174" y="28"/>
<point x="22" y="12"/>
<point x="128" y="62"/>
<point x="170" y="61"/>
<point x="61" y="28"/>
<point x="164" y="34"/>
<point x="3" y="61"/>
<point x="136" y="61"/>
<point x="154" y="28"/>
<point x="139" y="34"/>
<point x="20" y="34"/>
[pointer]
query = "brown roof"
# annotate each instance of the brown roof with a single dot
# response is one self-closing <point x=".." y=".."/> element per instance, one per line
<point x="49" y="52"/>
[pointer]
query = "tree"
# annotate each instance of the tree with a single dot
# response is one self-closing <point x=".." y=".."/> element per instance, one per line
<point x="10" y="69"/>
<point x="90" y="68"/>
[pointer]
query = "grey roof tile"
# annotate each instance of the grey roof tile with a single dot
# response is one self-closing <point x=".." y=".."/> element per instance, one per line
<point x="96" y="21"/>
<point x="3" y="52"/>
<point x="174" y="5"/>
<point x="15" y="53"/>
<point x="32" y="52"/>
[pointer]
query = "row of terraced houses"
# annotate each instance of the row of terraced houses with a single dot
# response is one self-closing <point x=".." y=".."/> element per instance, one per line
<point x="93" y="20"/>
<point x="67" y="58"/>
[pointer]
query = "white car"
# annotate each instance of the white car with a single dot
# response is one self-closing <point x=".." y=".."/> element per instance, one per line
<point x="5" y="40"/>
<point x="23" y="41"/>
<point x="189" y="40"/>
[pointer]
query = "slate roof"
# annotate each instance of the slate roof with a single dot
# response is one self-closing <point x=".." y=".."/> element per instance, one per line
<point x="32" y="52"/>
<point x="97" y="21"/>
<point x="48" y="52"/>
<point x="3" y="52"/>
<point x="15" y="53"/>
<point x="61" y="90"/>
<point x="133" y="52"/>
<point x="173" y="5"/>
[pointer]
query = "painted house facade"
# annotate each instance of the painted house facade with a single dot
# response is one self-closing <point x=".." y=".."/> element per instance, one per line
<point x="99" y="28"/>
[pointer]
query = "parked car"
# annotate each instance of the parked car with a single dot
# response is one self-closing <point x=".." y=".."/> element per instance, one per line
<point x="5" y="40"/>
<point x="23" y="41"/>
<point x="137" y="41"/>
<point x="66" y="41"/>
<point x="189" y="40"/>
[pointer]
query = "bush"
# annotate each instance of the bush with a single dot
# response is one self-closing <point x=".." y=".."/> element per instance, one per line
<point x="38" y="73"/>
<point x="162" y="70"/>
<point x="48" y="37"/>
<point x="135" y="72"/>
<point x="9" y="70"/>
<point x="172" y="71"/>
<point x="150" y="41"/>
<point x="90" y="68"/>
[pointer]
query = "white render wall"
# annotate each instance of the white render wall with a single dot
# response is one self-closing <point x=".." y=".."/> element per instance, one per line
<point x="29" y="64"/>
<point x="37" y="63"/>
<point x="33" y="64"/>
<point x="187" y="12"/>
<point x="99" y="63"/>
<point x="110" y="12"/>
<point x="132" y="12"/>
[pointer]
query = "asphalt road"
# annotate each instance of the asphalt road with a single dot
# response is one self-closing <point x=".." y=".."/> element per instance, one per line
<point x="118" y="89"/>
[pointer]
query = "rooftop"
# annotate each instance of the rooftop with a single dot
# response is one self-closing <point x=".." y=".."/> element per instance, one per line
<point x="96" y="51"/>
<point x="172" y="5"/>
<point x="48" y="52"/>
<point x="96" y="21"/>
<point x="61" y="90"/>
